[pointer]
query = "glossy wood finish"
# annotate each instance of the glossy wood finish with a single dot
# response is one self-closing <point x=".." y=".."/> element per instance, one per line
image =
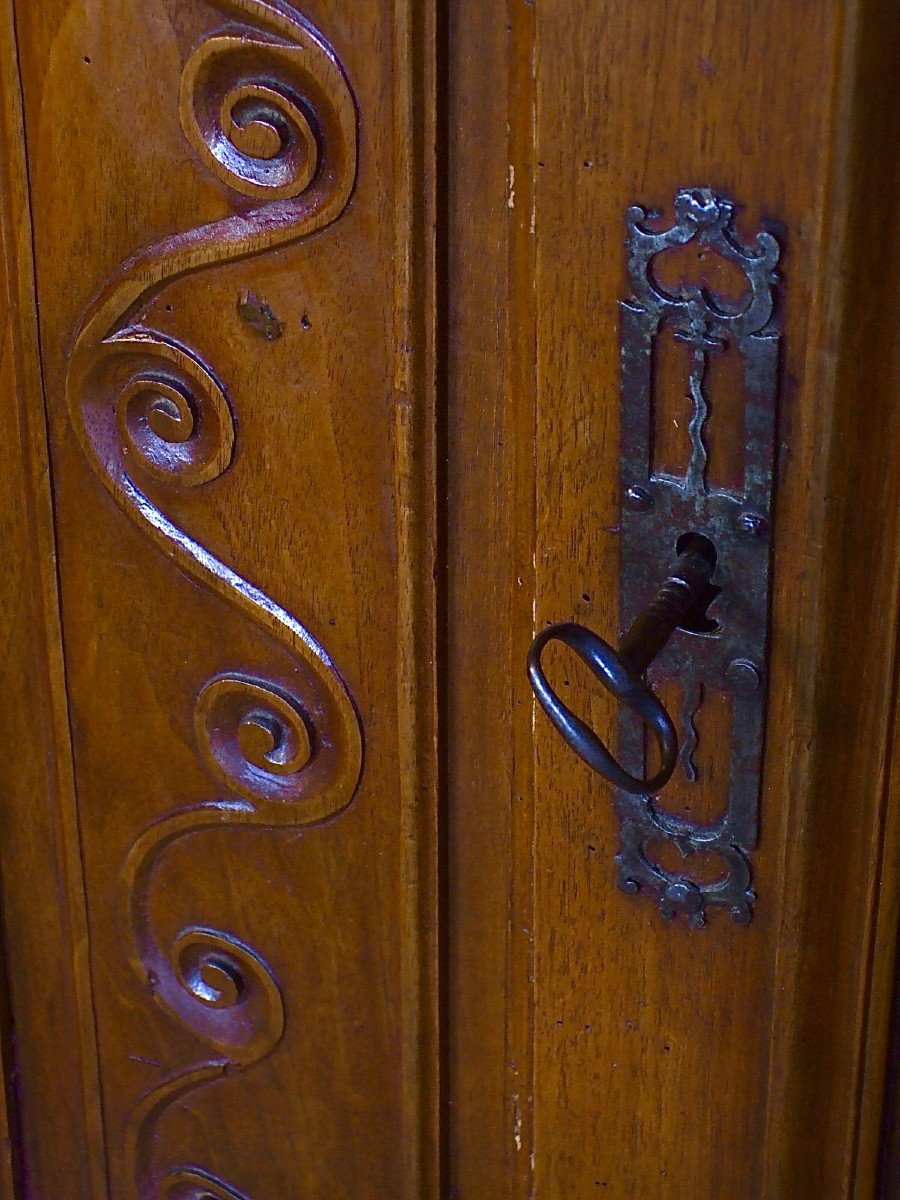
<point x="43" y="901"/>
<point x="595" y="1049"/>
<point x="881" y="1119"/>
<point x="889" y="1158"/>
<point x="245" y="530"/>
<point x="249" y="561"/>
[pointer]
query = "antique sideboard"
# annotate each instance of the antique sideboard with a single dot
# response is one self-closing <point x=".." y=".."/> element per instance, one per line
<point x="450" y="514"/>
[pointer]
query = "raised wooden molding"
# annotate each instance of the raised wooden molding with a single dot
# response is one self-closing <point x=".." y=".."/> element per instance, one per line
<point x="143" y="402"/>
<point x="39" y="845"/>
<point x="271" y="128"/>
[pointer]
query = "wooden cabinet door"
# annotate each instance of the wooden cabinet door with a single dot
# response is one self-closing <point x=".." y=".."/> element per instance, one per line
<point x="597" y="1049"/>
<point x="313" y="418"/>
<point x="218" y="840"/>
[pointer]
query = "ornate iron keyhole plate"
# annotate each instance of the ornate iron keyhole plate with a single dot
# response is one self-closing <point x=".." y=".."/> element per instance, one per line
<point x="658" y="508"/>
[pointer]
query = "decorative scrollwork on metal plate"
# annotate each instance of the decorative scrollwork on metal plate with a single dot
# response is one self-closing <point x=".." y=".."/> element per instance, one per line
<point x="659" y="507"/>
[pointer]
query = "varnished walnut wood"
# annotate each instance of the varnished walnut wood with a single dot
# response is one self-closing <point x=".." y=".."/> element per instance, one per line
<point x="44" y="916"/>
<point x="246" y="562"/>
<point x="617" y="1055"/>
<point x="245" y="546"/>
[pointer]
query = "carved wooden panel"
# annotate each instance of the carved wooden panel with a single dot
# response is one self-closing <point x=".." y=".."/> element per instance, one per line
<point x="232" y="279"/>
<point x="219" y="661"/>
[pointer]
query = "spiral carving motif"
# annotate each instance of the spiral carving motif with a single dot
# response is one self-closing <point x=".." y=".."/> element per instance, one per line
<point x="258" y="739"/>
<point x="171" y="412"/>
<point x="266" y="107"/>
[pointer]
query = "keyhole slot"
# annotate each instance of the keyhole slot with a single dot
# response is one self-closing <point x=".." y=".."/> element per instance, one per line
<point x="697" y="620"/>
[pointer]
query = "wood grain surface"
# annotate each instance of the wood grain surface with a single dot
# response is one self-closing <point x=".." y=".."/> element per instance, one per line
<point x="595" y="1049"/>
<point x="306" y="433"/>
<point x="45" y="921"/>
<point x="232" y="232"/>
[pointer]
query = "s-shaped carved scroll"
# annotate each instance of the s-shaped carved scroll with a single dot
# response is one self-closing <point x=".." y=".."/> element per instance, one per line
<point x="267" y="107"/>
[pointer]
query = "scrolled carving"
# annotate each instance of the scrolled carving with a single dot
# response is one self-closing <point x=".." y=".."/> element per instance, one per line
<point x="272" y="116"/>
<point x="243" y="1007"/>
<point x="267" y="108"/>
<point x="214" y="984"/>
<point x="262" y="141"/>
<point x="212" y="976"/>
<point x="270" y="113"/>
<point x="170" y="414"/>
<point x="196" y="1185"/>
<point x="257" y="739"/>
<point x="180" y="1183"/>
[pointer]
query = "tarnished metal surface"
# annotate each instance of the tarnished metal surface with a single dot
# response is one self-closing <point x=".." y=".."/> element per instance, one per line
<point x="621" y="672"/>
<point x="657" y="509"/>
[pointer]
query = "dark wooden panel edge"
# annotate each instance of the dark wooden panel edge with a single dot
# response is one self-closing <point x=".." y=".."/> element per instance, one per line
<point x="60" y="870"/>
<point x="830" y="1022"/>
